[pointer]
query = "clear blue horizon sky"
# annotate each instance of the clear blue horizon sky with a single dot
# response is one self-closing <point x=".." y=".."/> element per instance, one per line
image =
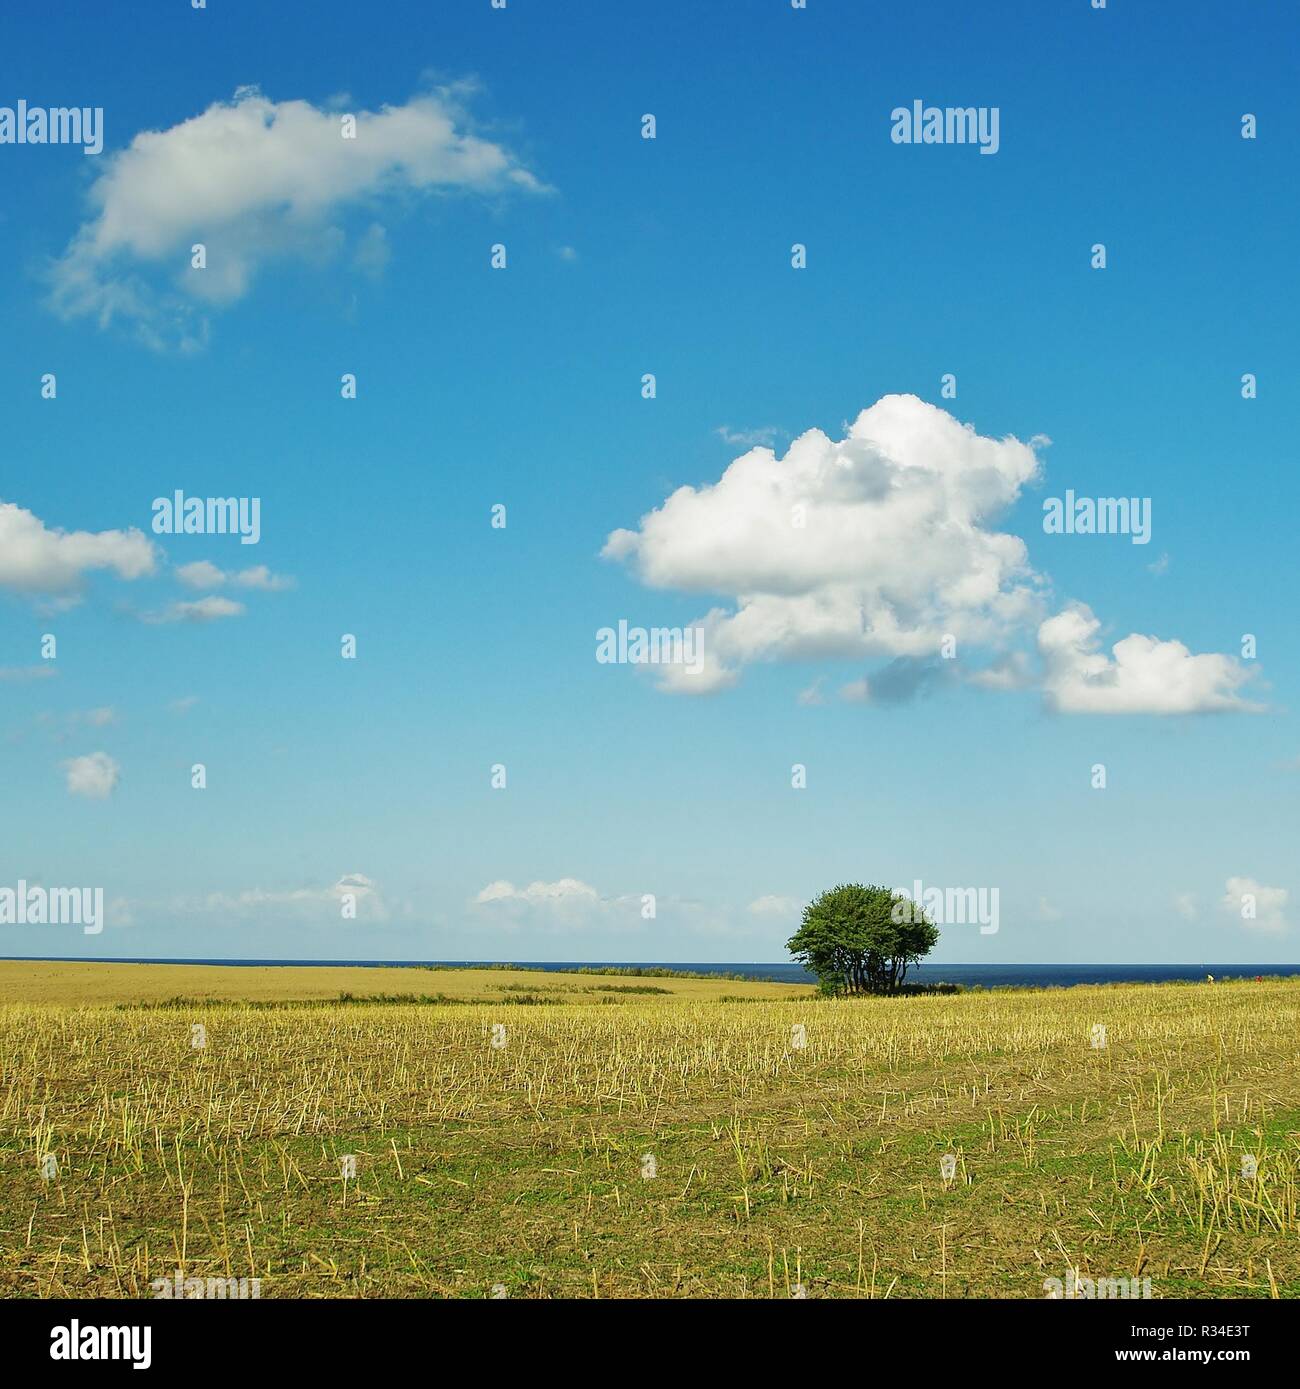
<point x="523" y="387"/>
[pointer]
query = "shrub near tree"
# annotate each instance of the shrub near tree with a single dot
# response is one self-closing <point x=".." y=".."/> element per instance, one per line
<point x="858" y="940"/>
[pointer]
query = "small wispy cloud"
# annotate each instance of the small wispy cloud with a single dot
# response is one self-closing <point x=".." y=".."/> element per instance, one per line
<point x="564" y="904"/>
<point x="94" y="776"/>
<point x="763" y="437"/>
<point x="563" y="890"/>
<point x="1011" y="671"/>
<point x="17" y="675"/>
<point x="373" y="252"/>
<point x="204" y="574"/>
<point x="353" y="896"/>
<point x="771" y="905"/>
<point x="211" y="609"/>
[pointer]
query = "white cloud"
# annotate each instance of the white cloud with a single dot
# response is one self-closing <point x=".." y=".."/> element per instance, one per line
<point x="22" y="674"/>
<point x="94" y="776"/>
<point x="260" y="577"/>
<point x="211" y="609"/>
<point x="35" y="559"/>
<point x="896" y="550"/>
<point x="55" y="607"/>
<point x="1185" y="905"/>
<point x="1145" y="676"/>
<point x="254" y="181"/>
<point x="705" y="674"/>
<point x="566" y="904"/>
<point x="306" y="904"/>
<point x="561" y="892"/>
<point x="184" y="704"/>
<point x="373" y="251"/>
<point x="203" y="574"/>
<point x="361" y="891"/>
<point x="1257" y="907"/>
<point x="882" y="544"/>
<point x="1010" y="671"/>
<point x="775" y="906"/>
<point x="763" y="437"/>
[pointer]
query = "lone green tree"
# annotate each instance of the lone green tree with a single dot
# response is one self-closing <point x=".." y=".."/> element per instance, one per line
<point x="859" y="939"/>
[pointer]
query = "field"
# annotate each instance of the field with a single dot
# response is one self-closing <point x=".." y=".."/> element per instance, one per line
<point x="55" y="981"/>
<point x="621" y="1143"/>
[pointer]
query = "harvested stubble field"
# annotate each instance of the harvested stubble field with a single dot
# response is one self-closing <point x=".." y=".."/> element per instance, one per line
<point x="776" y="1166"/>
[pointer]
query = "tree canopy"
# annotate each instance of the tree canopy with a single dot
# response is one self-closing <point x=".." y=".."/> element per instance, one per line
<point x="858" y="939"/>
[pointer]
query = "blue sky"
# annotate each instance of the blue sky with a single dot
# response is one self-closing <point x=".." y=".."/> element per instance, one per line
<point x="522" y="387"/>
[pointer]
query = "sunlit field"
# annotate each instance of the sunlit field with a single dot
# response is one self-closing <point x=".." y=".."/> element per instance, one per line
<point x="56" y="981"/>
<point x="591" y="1136"/>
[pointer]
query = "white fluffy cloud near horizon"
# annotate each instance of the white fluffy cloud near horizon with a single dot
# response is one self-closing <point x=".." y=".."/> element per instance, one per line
<point x="775" y="906"/>
<point x="563" y="904"/>
<point x="1256" y="906"/>
<point x="255" y="180"/>
<point x="880" y="545"/>
<point x="538" y="893"/>
<point x="354" y="892"/>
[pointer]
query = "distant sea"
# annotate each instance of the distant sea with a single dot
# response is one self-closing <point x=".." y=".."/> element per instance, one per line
<point x="985" y="975"/>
